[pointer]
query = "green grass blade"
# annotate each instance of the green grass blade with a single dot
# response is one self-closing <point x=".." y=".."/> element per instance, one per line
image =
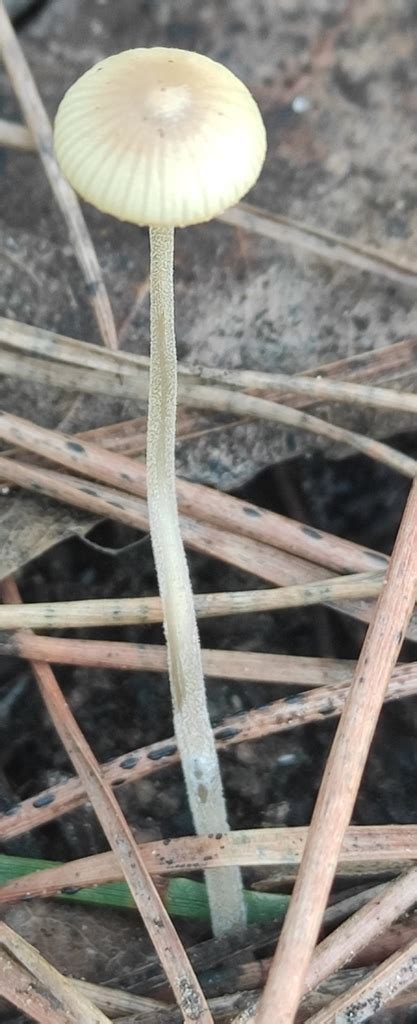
<point x="182" y="897"/>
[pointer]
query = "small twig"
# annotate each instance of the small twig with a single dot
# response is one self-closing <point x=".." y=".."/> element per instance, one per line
<point x="343" y="775"/>
<point x="320" y="242"/>
<point x="378" y="989"/>
<point x="37" y="988"/>
<point x="15" y="135"/>
<point x="39" y="126"/>
<point x="171" y="953"/>
<point x="303" y="708"/>
<point x="248" y="666"/>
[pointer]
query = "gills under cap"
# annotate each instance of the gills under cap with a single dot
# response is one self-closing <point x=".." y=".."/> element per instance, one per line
<point x="160" y="137"/>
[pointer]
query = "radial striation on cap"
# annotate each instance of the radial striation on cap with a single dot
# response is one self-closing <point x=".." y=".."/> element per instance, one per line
<point x="160" y="137"/>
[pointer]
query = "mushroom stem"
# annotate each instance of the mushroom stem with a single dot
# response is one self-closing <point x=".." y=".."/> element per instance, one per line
<point x="191" y="720"/>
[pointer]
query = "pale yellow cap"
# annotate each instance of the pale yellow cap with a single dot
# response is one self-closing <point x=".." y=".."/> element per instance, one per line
<point x="160" y="137"/>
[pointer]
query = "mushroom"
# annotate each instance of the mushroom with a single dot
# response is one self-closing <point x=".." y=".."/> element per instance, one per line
<point x="165" y="138"/>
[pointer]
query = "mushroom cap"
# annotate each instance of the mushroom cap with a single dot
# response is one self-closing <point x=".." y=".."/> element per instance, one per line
<point x="160" y="137"/>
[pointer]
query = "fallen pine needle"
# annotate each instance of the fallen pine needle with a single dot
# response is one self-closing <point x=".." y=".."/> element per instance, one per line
<point x="314" y="388"/>
<point x="15" y="135"/>
<point x="39" y="988"/>
<point x="362" y="928"/>
<point x="376" y="990"/>
<point x="261" y="847"/>
<point x="343" y="774"/>
<point x="181" y="977"/>
<point x="74" y="353"/>
<point x="248" y="666"/>
<point x="134" y="384"/>
<point x="81" y="455"/>
<point x="320" y="242"/>
<point x="299" y="709"/>
<point x="130" y="610"/>
<point x="39" y="125"/>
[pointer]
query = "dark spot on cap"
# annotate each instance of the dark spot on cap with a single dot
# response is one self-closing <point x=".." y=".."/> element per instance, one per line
<point x="250" y="511"/>
<point x="70" y="890"/>
<point x="11" y="811"/>
<point x="44" y="800"/>
<point x="328" y="709"/>
<point x="292" y="698"/>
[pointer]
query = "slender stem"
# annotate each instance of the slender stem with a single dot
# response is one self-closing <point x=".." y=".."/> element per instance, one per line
<point x="191" y="720"/>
